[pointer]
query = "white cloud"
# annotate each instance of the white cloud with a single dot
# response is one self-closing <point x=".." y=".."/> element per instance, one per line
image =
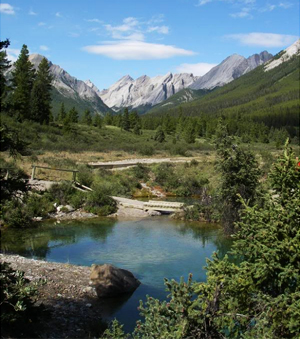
<point x="242" y="14"/>
<point x="74" y="35"/>
<point x="95" y="20"/>
<point x="159" y="29"/>
<point x="137" y="50"/>
<point x="12" y="54"/>
<point x="263" y="39"/>
<point x="285" y="5"/>
<point x="7" y="9"/>
<point x="44" y="48"/>
<point x="203" y="2"/>
<point x="31" y="12"/>
<point x="129" y="30"/>
<point x="58" y="14"/>
<point x="197" y="69"/>
<point x="41" y="24"/>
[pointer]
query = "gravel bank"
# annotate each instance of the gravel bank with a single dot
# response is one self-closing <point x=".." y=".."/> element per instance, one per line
<point x="75" y="311"/>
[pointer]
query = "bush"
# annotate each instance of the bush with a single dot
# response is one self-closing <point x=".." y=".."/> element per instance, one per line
<point x="40" y="206"/>
<point x="100" y="203"/>
<point x="14" y="214"/>
<point x="62" y="193"/>
<point x="16" y="296"/>
<point x="85" y="175"/>
<point x="146" y="150"/>
<point x="140" y="172"/>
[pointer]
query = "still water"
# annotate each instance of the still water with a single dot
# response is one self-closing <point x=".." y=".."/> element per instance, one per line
<point x="151" y="249"/>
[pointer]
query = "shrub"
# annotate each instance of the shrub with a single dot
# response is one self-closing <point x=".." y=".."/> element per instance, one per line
<point x="146" y="150"/>
<point x="100" y="203"/>
<point x="85" y="175"/>
<point x="140" y="172"/>
<point x="62" y="192"/>
<point x="40" y="206"/>
<point x="16" y="296"/>
<point x="14" y="214"/>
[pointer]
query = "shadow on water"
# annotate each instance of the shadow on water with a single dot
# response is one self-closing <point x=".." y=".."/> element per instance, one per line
<point x="38" y="242"/>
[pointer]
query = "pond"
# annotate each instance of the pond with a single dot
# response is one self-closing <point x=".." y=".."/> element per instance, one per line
<point x="152" y="249"/>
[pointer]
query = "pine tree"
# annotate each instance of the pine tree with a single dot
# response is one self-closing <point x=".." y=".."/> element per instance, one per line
<point x="108" y="119"/>
<point x="125" y="120"/>
<point x="62" y="113"/>
<point x="22" y="80"/>
<point x="134" y="119"/>
<point x="87" y="118"/>
<point x="97" y="121"/>
<point x="72" y="115"/>
<point x="189" y="132"/>
<point x="4" y="65"/>
<point x="159" y="135"/>
<point x="137" y="129"/>
<point x="41" y="94"/>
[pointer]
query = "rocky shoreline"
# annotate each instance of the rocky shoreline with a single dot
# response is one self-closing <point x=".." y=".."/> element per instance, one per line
<point x="72" y="304"/>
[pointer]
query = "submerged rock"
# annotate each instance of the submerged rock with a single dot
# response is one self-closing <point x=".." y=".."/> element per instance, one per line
<point x="110" y="281"/>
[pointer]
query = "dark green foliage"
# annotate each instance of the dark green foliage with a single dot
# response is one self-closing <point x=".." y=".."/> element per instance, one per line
<point x="99" y="202"/>
<point x="62" y="113"/>
<point x="97" y="121"/>
<point x="61" y="193"/>
<point x="239" y="176"/>
<point x="85" y="175"/>
<point x="4" y="66"/>
<point x="189" y="132"/>
<point x="159" y="135"/>
<point x="87" y="117"/>
<point x="140" y="172"/>
<point x="202" y="212"/>
<point x="125" y="124"/>
<point x="72" y="116"/>
<point x="39" y="205"/>
<point x="16" y="297"/>
<point x="14" y="214"/>
<point x="22" y="80"/>
<point x="41" y="94"/>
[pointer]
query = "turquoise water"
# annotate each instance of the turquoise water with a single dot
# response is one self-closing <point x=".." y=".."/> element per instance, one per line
<point x="151" y="249"/>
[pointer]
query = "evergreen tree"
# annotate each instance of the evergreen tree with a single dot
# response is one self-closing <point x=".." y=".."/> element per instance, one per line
<point x="4" y="65"/>
<point x="108" y="119"/>
<point x="41" y="94"/>
<point x="125" y="120"/>
<point x="137" y="129"/>
<point x="159" y="135"/>
<point x="134" y="119"/>
<point x="73" y="116"/>
<point x="22" y="80"/>
<point x="189" y="132"/>
<point x="239" y="176"/>
<point x="97" y="121"/>
<point x="62" y="113"/>
<point x="87" y="118"/>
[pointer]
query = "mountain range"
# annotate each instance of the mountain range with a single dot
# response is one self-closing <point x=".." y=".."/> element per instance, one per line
<point x="270" y="92"/>
<point x="71" y="91"/>
<point x="143" y="93"/>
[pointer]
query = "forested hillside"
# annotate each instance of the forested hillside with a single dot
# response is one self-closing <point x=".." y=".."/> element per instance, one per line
<point x="269" y="99"/>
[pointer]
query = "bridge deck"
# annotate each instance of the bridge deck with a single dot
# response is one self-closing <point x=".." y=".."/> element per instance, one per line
<point x="160" y="206"/>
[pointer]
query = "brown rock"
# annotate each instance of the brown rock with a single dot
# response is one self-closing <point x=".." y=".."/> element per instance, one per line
<point x="110" y="281"/>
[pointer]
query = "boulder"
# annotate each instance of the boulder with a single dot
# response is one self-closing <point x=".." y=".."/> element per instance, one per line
<point x="110" y="281"/>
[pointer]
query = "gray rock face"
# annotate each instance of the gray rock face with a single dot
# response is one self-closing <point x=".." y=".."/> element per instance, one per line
<point x="144" y="91"/>
<point x="110" y="281"/>
<point x="69" y="86"/>
<point x="229" y="69"/>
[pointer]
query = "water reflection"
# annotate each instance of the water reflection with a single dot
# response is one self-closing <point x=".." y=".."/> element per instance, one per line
<point x="39" y="241"/>
<point x="152" y="249"/>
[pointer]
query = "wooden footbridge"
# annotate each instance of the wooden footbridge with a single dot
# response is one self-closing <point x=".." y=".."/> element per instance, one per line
<point x="154" y="205"/>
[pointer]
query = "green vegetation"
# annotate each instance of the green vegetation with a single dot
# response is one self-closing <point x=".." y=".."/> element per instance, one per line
<point x="255" y="106"/>
<point x="257" y="298"/>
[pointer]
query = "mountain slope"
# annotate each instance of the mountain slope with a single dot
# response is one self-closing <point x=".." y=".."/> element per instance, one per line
<point x="181" y="97"/>
<point x="263" y="95"/>
<point x="71" y="91"/>
<point x="144" y="91"/>
<point x="229" y="69"/>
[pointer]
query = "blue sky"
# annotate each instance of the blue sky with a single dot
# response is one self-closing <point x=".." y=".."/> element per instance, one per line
<point x="102" y="40"/>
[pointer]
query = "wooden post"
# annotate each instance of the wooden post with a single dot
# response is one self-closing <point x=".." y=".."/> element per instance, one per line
<point x="74" y="176"/>
<point x="33" y="173"/>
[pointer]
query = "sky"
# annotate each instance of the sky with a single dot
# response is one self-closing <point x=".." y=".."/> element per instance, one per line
<point x="103" y="40"/>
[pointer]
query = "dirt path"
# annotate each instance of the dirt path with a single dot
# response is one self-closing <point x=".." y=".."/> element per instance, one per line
<point x="75" y="311"/>
<point x="132" y="162"/>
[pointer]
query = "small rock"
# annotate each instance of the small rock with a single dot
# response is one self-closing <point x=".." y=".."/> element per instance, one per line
<point x="88" y="305"/>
